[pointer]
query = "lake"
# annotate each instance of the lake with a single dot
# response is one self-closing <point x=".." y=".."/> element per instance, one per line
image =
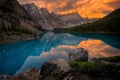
<point x="17" y="57"/>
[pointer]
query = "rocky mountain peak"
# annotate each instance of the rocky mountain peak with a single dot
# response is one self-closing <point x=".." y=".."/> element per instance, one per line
<point x="44" y="13"/>
<point x="43" y="17"/>
<point x="71" y="19"/>
<point x="50" y="21"/>
<point x="31" y="9"/>
<point x="44" y="10"/>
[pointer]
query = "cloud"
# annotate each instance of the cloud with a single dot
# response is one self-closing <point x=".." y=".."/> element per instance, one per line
<point x="115" y="4"/>
<point x="91" y="8"/>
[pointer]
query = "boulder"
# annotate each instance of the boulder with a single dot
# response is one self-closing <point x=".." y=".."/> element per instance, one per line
<point x="79" y="54"/>
<point x="60" y="65"/>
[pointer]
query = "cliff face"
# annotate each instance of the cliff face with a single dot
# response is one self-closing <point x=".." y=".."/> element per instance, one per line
<point x="14" y="17"/>
<point x="47" y="20"/>
<point x="50" y="21"/>
<point x="71" y="19"/>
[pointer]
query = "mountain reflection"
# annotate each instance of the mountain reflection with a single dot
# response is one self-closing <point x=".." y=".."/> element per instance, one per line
<point x="19" y="56"/>
<point x="97" y="48"/>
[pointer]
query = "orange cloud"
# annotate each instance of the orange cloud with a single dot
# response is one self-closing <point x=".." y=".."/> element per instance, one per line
<point x="86" y="8"/>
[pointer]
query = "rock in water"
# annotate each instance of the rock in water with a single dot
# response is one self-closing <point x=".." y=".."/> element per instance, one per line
<point x="79" y="54"/>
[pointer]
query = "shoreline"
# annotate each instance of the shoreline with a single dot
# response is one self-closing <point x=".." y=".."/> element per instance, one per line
<point x="94" y="32"/>
<point x="5" y="39"/>
<point x="16" y="38"/>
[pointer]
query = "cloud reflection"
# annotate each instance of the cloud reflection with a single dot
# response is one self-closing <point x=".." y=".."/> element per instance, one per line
<point x="96" y="48"/>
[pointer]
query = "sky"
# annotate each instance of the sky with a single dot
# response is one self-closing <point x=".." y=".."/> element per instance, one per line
<point x="86" y="8"/>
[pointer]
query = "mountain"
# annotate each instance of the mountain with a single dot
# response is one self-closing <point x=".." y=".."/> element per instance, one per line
<point x="51" y="21"/>
<point x="71" y="19"/>
<point x="13" y="17"/>
<point x="109" y="23"/>
<point x="47" y="20"/>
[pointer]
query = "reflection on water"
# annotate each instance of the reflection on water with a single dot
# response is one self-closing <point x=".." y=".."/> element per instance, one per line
<point x="98" y="48"/>
<point x="111" y="39"/>
<point x="19" y="56"/>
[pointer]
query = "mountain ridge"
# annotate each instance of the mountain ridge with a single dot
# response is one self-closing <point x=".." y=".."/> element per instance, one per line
<point x="15" y="23"/>
<point x="14" y="17"/>
<point x="48" y="21"/>
<point x="109" y="24"/>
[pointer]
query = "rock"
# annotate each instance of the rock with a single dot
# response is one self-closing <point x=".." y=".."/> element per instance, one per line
<point x="31" y="74"/>
<point x="79" y="54"/>
<point x="6" y="77"/>
<point x="46" y="70"/>
<point x="60" y="65"/>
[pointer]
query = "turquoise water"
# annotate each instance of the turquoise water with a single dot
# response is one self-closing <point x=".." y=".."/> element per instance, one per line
<point x="19" y="56"/>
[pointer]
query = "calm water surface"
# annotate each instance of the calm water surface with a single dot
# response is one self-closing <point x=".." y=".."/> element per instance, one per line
<point x="19" y="56"/>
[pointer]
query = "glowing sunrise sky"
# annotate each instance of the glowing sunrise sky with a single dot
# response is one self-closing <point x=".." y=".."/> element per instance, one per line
<point x="90" y="8"/>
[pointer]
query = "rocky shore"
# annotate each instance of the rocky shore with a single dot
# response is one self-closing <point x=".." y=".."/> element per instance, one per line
<point x="77" y="67"/>
<point x="15" y="36"/>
